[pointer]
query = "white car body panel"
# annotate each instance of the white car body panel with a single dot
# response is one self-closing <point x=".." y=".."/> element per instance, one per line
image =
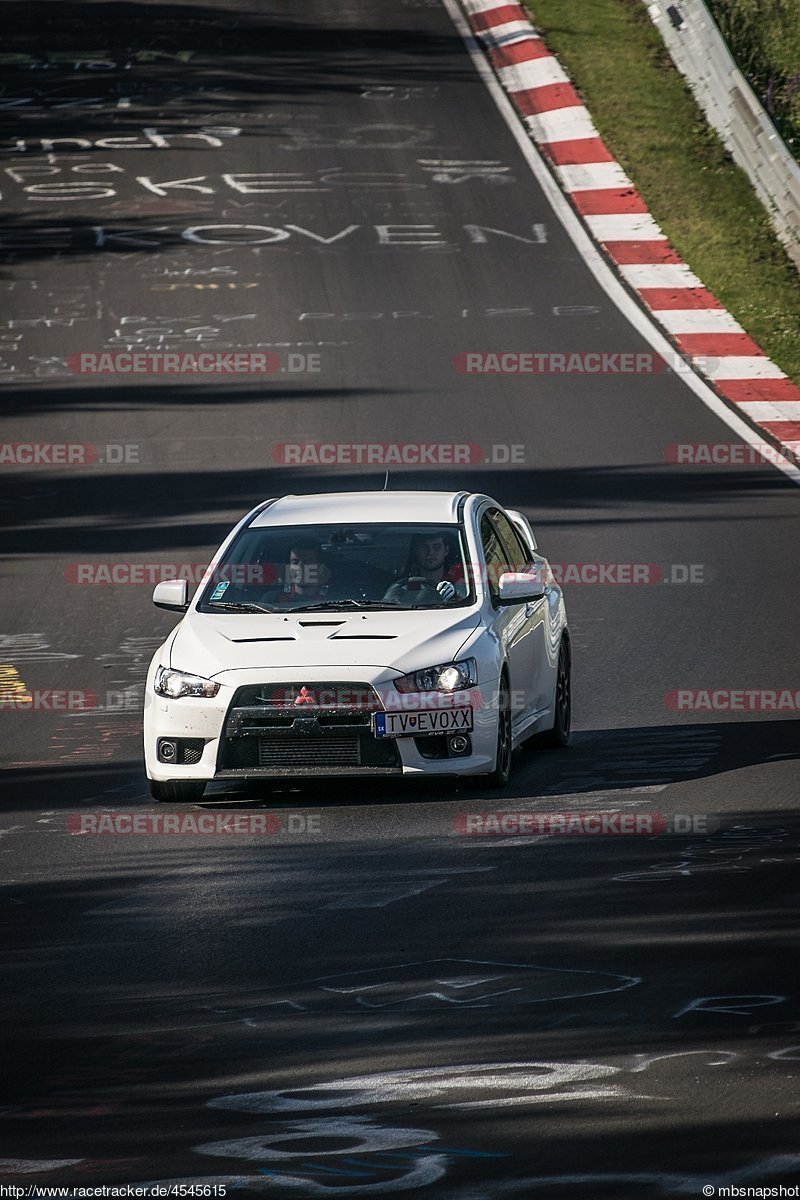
<point x="370" y="648"/>
<point x="212" y="644"/>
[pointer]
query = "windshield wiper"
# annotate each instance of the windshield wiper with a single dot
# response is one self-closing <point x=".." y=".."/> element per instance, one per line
<point x="330" y="605"/>
<point x="241" y="607"/>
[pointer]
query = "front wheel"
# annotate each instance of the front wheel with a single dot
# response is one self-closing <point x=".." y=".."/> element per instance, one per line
<point x="559" y="734"/>
<point x="501" y="774"/>
<point x="177" y="789"/>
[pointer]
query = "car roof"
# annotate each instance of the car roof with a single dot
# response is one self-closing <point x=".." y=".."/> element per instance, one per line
<point x="329" y="508"/>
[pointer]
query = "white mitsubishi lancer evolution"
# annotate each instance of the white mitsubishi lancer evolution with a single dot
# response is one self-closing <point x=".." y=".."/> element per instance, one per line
<point x="359" y="634"/>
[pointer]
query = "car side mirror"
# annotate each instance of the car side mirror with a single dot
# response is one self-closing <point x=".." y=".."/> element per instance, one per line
<point x="519" y="587"/>
<point x="172" y="594"/>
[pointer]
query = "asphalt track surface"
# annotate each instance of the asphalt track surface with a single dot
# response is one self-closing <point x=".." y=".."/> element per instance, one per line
<point x="419" y="1012"/>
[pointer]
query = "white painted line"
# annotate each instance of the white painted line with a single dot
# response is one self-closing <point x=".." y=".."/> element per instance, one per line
<point x="660" y="275"/>
<point x="33" y="1166"/>
<point x="698" y="320"/>
<point x="380" y="895"/>
<point x="739" y="366"/>
<point x="540" y="72"/>
<point x="589" y="176"/>
<point x="605" y="1092"/>
<point x="771" y="410"/>
<point x="625" y="227"/>
<point x="562" y="124"/>
<point x="634" y="313"/>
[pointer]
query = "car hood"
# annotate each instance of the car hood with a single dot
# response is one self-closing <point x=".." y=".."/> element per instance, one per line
<point x="207" y="644"/>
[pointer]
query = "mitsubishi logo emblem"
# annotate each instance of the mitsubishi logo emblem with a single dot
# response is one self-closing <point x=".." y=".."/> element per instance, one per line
<point x="304" y="697"/>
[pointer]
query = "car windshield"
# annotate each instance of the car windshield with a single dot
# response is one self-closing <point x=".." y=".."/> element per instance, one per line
<point x="317" y="567"/>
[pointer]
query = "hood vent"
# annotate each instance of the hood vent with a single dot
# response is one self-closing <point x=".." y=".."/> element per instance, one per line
<point x="240" y="641"/>
<point x="363" y="637"/>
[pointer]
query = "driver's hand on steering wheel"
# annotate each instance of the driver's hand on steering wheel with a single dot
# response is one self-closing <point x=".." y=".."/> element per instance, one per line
<point x="413" y="588"/>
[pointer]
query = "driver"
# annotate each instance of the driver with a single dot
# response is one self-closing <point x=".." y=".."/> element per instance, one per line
<point x="430" y="569"/>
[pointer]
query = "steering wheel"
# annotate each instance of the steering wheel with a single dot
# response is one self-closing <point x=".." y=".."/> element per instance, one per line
<point x="413" y="589"/>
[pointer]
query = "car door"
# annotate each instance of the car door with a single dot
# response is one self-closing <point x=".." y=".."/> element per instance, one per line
<point x="532" y="650"/>
<point x="511" y="621"/>
<point x="552" y="610"/>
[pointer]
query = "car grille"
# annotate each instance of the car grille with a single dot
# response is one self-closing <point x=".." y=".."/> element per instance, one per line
<point x="320" y="726"/>
<point x="335" y="696"/>
<point x="303" y="752"/>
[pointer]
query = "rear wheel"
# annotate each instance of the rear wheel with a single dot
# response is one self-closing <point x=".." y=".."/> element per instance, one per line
<point x="177" y="789"/>
<point x="559" y="734"/>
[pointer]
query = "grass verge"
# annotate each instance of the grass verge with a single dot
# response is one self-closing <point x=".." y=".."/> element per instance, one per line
<point x="764" y="38"/>
<point x="700" y="198"/>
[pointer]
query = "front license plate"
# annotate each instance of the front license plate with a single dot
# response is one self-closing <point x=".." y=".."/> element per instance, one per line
<point x="440" y="720"/>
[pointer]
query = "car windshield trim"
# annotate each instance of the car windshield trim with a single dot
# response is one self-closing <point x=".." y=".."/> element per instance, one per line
<point x="350" y="602"/>
<point x="245" y="606"/>
<point x="335" y="567"/>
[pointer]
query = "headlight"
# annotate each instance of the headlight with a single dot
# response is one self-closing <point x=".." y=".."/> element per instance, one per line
<point x="449" y="677"/>
<point x="179" y="683"/>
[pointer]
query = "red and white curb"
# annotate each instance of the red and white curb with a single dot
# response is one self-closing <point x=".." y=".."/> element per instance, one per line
<point x="617" y="218"/>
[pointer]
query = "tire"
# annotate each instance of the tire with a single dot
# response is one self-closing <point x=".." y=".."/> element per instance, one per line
<point x="177" y="789"/>
<point x="559" y="734"/>
<point x="501" y="774"/>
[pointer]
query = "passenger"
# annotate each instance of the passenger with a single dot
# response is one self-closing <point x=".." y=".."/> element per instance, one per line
<point x="307" y="575"/>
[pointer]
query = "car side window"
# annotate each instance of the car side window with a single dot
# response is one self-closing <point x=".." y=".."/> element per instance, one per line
<point x="515" y="552"/>
<point x="494" y="554"/>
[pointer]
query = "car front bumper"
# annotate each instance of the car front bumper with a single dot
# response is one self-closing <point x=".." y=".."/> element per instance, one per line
<point x="234" y="742"/>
